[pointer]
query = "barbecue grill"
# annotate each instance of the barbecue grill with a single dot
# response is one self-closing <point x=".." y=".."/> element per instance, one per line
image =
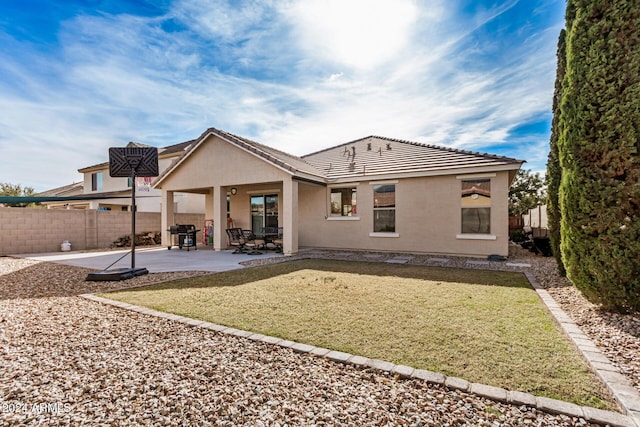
<point x="186" y="236"/>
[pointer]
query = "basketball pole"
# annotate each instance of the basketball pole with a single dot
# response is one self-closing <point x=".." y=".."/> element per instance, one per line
<point x="128" y="162"/>
<point x="133" y="218"/>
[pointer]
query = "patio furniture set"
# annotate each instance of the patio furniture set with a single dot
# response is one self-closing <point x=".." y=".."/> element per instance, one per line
<point x="248" y="242"/>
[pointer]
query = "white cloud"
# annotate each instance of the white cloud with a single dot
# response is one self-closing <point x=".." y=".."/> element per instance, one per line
<point x="225" y="19"/>
<point x="361" y="34"/>
<point x="298" y="75"/>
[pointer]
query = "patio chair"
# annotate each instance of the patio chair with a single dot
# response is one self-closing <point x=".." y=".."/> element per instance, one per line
<point x="252" y="243"/>
<point x="236" y="239"/>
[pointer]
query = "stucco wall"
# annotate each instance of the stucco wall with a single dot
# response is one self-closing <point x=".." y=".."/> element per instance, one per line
<point x="428" y="210"/>
<point x="216" y="162"/>
<point x="43" y="230"/>
<point x="428" y="219"/>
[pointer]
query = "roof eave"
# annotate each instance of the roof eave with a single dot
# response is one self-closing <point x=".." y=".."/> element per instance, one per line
<point x="93" y="168"/>
<point x="310" y="178"/>
<point x="515" y="166"/>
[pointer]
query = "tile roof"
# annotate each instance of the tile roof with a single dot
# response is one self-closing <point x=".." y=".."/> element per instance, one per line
<point x="371" y="156"/>
<point x="376" y="155"/>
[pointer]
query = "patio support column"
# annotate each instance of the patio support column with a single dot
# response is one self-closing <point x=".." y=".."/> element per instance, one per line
<point x="290" y="217"/>
<point x="208" y="204"/>
<point x="166" y="216"/>
<point x="219" y="218"/>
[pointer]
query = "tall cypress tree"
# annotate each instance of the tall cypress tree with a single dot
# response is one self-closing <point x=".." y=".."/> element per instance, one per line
<point x="598" y="150"/>
<point x="554" y="173"/>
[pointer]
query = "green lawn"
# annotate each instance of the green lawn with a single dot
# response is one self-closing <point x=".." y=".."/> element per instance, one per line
<point x="484" y="326"/>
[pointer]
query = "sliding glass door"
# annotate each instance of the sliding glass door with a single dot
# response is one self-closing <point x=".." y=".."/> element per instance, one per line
<point x="264" y="212"/>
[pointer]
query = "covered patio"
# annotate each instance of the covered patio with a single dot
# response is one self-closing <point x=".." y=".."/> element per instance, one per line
<point x="246" y="185"/>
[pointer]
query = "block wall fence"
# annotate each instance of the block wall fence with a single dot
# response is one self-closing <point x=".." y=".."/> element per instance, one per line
<point x="27" y="230"/>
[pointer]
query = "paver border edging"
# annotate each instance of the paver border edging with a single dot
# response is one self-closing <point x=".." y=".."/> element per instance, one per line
<point x="598" y="416"/>
<point x="620" y="387"/>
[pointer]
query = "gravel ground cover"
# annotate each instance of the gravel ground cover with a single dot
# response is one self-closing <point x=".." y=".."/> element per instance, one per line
<point x="69" y="361"/>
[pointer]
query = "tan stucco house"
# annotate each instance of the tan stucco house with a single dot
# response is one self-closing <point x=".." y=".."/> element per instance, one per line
<point x="373" y="193"/>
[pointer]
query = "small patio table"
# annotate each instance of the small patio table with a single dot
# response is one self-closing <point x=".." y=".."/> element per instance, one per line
<point x="268" y="237"/>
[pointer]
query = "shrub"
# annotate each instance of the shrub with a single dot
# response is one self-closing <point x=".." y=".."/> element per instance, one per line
<point x="554" y="173"/>
<point x="517" y="236"/>
<point x="599" y="194"/>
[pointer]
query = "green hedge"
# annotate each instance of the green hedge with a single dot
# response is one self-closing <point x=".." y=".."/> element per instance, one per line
<point x="598" y="146"/>
<point x="554" y="172"/>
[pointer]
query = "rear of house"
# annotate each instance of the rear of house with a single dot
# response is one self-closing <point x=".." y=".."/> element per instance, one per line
<point x="374" y="193"/>
<point x="391" y="195"/>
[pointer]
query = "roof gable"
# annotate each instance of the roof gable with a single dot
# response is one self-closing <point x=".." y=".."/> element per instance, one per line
<point x="284" y="161"/>
<point x="287" y="161"/>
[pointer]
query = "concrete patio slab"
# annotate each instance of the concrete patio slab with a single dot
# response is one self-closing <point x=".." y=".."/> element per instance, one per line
<point x="155" y="259"/>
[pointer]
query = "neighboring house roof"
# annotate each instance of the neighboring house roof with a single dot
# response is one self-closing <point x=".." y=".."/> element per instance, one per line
<point x="175" y="148"/>
<point x="66" y="190"/>
<point x="168" y="151"/>
<point x="377" y="155"/>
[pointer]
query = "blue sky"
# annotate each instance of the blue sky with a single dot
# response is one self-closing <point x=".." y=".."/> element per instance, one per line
<point x="78" y="77"/>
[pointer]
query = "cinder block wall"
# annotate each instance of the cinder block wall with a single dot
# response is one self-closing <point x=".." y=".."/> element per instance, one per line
<point x="25" y="230"/>
<point x="114" y="224"/>
<point x="40" y="230"/>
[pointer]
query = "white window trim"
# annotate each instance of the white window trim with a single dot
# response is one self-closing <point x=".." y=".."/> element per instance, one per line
<point x="99" y="183"/>
<point x="337" y="217"/>
<point x="381" y="233"/>
<point x="343" y="218"/>
<point x="476" y="237"/>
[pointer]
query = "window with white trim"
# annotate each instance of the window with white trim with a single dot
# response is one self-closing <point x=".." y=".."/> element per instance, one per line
<point x="343" y="201"/>
<point x="384" y="208"/>
<point x="96" y="181"/>
<point x="476" y="206"/>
